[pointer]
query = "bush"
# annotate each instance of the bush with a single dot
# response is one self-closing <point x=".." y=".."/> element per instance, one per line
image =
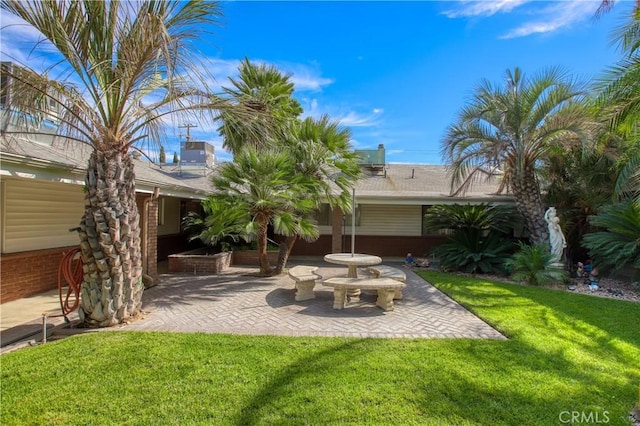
<point x="480" y="239"/>
<point x="617" y="244"/>
<point x="469" y="251"/>
<point x="534" y="266"/>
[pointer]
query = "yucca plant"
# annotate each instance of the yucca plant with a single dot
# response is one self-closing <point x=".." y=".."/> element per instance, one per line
<point x="617" y="244"/>
<point x="533" y="264"/>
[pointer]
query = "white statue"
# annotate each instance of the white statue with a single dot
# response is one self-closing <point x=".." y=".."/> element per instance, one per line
<point x="556" y="237"/>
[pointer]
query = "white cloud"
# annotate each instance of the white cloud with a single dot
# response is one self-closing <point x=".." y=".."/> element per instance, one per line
<point x="547" y="16"/>
<point x="17" y="39"/>
<point x="483" y="7"/>
<point x="305" y="78"/>
<point x="355" y="119"/>
<point x="554" y="17"/>
<point x="346" y="115"/>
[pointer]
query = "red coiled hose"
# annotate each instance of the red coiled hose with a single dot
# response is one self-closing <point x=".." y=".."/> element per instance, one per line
<point x="71" y="271"/>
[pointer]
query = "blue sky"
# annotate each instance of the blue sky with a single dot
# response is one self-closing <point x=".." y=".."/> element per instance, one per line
<point x="397" y="73"/>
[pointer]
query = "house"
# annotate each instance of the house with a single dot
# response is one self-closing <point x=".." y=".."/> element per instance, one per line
<point x="391" y="200"/>
<point x="42" y="199"/>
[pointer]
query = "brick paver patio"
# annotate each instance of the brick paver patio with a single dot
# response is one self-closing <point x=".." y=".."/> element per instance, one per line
<point x="241" y="302"/>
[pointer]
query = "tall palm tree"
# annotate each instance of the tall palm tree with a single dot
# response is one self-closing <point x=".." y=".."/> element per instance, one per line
<point x="264" y="89"/>
<point x="129" y="64"/>
<point x="320" y="149"/>
<point x="510" y="129"/>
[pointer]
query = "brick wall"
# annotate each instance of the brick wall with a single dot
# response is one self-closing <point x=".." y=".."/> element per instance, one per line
<point x="250" y="257"/>
<point x="194" y="263"/>
<point x="152" y="239"/>
<point x="28" y="273"/>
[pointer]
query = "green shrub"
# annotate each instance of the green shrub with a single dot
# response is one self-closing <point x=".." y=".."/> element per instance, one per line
<point x="617" y="244"/>
<point x="472" y="252"/>
<point x="481" y="236"/>
<point x="533" y="265"/>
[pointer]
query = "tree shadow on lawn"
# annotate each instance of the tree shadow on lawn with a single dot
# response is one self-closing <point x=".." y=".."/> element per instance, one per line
<point x="445" y="381"/>
<point x="288" y="383"/>
<point x="594" y="322"/>
<point x="518" y="383"/>
<point x="596" y="339"/>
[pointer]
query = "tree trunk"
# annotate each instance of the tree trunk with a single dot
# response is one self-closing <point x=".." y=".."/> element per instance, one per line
<point x="265" y="267"/>
<point x="285" y="251"/>
<point x="110" y="242"/>
<point x="526" y="191"/>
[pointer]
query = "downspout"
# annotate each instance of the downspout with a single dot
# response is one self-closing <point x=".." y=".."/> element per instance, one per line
<point x="147" y="279"/>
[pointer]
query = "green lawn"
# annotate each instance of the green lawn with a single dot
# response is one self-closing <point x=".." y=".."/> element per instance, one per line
<point x="566" y="353"/>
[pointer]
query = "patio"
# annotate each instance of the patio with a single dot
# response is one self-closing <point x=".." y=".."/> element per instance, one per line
<point x="241" y="302"/>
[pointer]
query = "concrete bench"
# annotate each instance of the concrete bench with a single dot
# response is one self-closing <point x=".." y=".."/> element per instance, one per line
<point x="305" y="279"/>
<point x="384" y="271"/>
<point x="385" y="287"/>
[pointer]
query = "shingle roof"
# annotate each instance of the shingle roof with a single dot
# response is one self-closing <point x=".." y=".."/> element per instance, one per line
<point x="192" y="182"/>
<point x="395" y="183"/>
<point x="418" y="181"/>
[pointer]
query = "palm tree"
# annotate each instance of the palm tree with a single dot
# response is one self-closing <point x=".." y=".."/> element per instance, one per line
<point x="219" y="225"/>
<point x="129" y="64"/>
<point x="264" y="89"/>
<point x="607" y="5"/>
<point x="619" y="103"/>
<point x="264" y="183"/>
<point x="322" y="151"/>
<point x="510" y="129"/>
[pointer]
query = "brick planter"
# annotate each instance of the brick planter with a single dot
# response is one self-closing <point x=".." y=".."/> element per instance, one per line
<point x="198" y="262"/>
<point x="250" y="257"/>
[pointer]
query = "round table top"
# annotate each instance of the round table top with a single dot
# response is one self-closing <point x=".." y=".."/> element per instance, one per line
<point x="357" y="259"/>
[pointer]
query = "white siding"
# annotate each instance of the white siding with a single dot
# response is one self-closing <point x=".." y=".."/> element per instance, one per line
<point x="38" y="215"/>
<point x="325" y="229"/>
<point x="390" y="220"/>
<point x="171" y="224"/>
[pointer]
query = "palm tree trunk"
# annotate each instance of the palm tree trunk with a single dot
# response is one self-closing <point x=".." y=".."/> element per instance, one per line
<point x="526" y="191"/>
<point x="285" y="251"/>
<point x="110" y="242"/>
<point x="265" y="267"/>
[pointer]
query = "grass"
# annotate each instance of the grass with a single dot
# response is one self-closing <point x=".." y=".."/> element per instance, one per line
<point x="565" y="353"/>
